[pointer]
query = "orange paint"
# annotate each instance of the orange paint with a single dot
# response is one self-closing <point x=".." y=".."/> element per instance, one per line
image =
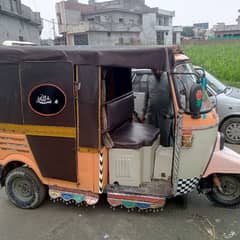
<point x="88" y="170"/>
<point x="11" y="146"/>
<point x="175" y="102"/>
<point x="211" y="120"/>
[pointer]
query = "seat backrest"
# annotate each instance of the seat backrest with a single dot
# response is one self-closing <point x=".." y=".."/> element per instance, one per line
<point x="119" y="111"/>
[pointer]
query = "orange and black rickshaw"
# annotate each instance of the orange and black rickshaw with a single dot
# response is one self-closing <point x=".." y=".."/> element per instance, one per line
<point x="67" y="129"/>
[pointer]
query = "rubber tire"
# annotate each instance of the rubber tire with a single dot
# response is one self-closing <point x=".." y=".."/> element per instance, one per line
<point x="224" y="128"/>
<point x="212" y="197"/>
<point x="39" y="190"/>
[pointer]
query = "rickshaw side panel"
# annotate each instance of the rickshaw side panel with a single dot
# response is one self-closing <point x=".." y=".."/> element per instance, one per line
<point x="19" y="150"/>
<point x="202" y="135"/>
<point x="224" y="161"/>
<point x="57" y="74"/>
<point x="10" y="99"/>
<point x="55" y="156"/>
<point x="93" y="170"/>
<point x="88" y="95"/>
<point x="195" y="159"/>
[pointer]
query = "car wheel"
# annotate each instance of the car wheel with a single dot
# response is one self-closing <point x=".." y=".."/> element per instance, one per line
<point x="24" y="189"/>
<point x="231" y="130"/>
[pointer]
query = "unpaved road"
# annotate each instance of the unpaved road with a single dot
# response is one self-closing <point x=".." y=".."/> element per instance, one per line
<point x="199" y="221"/>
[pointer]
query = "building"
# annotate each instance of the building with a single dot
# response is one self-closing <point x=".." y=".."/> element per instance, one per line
<point x="18" y="22"/>
<point x="47" y="42"/>
<point x="200" y="30"/>
<point x="204" y="26"/>
<point x="221" y="30"/>
<point x="116" y="22"/>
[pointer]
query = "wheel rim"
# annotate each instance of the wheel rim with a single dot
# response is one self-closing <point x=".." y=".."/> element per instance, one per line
<point x="233" y="131"/>
<point x="22" y="189"/>
<point x="230" y="188"/>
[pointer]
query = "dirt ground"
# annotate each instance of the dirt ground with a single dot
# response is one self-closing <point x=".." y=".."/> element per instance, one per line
<point x="201" y="220"/>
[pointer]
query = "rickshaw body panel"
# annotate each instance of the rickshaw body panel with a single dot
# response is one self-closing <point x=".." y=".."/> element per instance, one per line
<point x="224" y="161"/>
<point x="92" y="170"/>
<point x="201" y="134"/>
<point x="14" y="154"/>
<point x="195" y="159"/>
<point x="89" y="178"/>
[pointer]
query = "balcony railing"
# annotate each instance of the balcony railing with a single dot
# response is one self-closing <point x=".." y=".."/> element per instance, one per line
<point x="86" y="26"/>
<point x="163" y="28"/>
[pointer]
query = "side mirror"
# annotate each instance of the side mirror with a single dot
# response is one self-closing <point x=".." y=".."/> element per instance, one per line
<point x="202" y="75"/>
<point x="195" y="100"/>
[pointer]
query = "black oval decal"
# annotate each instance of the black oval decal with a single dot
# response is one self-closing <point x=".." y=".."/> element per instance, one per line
<point x="47" y="100"/>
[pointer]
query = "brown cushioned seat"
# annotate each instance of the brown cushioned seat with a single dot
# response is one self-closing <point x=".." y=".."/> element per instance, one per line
<point x="133" y="135"/>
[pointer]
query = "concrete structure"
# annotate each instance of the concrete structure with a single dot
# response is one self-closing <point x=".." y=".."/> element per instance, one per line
<point x="223" y="30"/>
<point x="18" y="22"/>
<point x="47" y="42"/>
<point x="200" y="30"/>
<point x="116" y="22"/>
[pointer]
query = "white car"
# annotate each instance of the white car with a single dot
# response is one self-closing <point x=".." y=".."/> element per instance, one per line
<point x="228" y="107"/>
<point x="17" y="43"/>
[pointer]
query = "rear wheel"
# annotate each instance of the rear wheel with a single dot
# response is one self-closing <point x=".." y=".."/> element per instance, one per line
<point x="229" y="194"/>
<point x="231" y="130"/>
<point x="24" y="189"/>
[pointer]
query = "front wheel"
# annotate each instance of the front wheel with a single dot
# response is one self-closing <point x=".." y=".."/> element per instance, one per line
<point x="229" y="194"/>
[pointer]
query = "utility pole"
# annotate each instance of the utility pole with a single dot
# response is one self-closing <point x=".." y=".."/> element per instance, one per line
<point x="54" y="29"/>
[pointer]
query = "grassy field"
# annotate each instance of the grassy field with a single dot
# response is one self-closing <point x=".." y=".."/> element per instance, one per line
<point x="222" y="60"/>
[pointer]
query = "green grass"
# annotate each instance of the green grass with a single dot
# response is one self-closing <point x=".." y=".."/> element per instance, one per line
<point x="222" y="60"/>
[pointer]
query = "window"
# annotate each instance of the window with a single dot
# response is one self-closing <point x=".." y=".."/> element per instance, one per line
<point x="209" y="93"/>
<point x="118" y="82"/>
<point x="121" y="41"/>
<point x="109" y="34"/>
<point x="97" y="18"/>
<point x="80" y="39"/>
<point x="21" y="38"/>
<point x="140" y="82"/>
<point x="160" y="38"/>
<point x="91" y="19"/>
<point x="166" y="21"/>
<point x="121" y="20"/>
<point x="215" y="84"/>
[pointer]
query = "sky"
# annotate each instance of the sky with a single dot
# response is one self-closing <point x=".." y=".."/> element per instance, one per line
<point x="187" y="11"/>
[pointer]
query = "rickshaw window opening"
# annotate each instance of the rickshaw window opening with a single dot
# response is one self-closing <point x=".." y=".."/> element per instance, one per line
<point x="115" y="99"/>
<point x="118" y="82"/>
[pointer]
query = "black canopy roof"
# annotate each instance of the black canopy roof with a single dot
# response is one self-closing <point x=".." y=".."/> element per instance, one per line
<point x="139" y="57"/>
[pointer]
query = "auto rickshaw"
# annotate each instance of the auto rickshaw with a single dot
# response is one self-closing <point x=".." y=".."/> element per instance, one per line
<point x="67" y="130"/>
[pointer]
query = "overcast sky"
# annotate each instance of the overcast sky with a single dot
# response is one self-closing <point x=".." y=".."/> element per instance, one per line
<point x="187" y="11"/>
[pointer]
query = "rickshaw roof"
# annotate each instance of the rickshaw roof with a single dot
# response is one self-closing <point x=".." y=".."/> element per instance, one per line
<point x="161" y="58"/>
